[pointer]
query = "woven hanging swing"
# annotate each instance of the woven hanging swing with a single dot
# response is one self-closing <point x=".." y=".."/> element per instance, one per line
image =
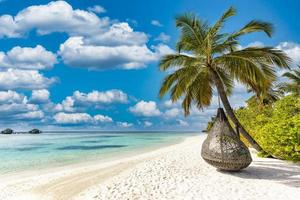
<point x="223" y="148"/>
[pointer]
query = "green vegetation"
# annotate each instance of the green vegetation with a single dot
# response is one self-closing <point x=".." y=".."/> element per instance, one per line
<point x="209" y="58"/>
<point x="276" y="127"/>
<point x="294" y="85"/>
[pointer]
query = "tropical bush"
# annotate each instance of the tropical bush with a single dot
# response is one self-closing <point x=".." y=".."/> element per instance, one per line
<point x="275" y="127"/>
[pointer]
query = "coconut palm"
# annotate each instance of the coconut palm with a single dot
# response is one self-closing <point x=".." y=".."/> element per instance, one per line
<point x="207" y="58"/>
<point x="268" y="97"/>
<point x="294" y="85"/>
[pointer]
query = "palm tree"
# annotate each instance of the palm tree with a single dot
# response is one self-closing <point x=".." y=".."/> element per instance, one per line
<point x="268" y="97"/>
<point x="207" y="58"/>
<point x="294" y="85"/>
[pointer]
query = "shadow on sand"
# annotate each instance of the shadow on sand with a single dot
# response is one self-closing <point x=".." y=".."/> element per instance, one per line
<point x="276" y="170"/>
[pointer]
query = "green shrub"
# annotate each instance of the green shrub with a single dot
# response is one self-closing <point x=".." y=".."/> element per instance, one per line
<point x="275" y="127"/>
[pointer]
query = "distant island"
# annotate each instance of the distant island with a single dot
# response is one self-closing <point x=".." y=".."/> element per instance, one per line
<point x="10" y="131"/>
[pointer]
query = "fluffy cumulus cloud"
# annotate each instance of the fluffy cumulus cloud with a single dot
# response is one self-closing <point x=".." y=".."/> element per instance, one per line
<point x="118" y="34"/>
<point x="94" y="43"/>
<point x="15" y="107"/>
<point x="146" y="109"/>
<point x="28" y="58"/>
<point x="66" y="105"/>
<point x="40" y="96"/>
<point x="170" y="103"/>
<point x="80" y="118"/>
<point x="31" y="115"/>
<point x="56" y="16"/>
<point x="78" y="54"/>
<point x="24" y="79"/>
<point x="292" y="50"/>
<point x="102" y="118"/>
<point x="94" y="98"/>
<point x="171" y="113"/>
<point x="97" y="97"/>
<point x="11" y="97"/>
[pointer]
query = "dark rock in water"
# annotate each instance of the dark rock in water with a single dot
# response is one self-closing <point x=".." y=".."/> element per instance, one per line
<point x="7" y="131"/>
<point x="35" y="131"/>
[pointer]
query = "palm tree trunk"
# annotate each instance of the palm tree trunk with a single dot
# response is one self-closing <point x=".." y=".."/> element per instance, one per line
<point x="230" y="113"/>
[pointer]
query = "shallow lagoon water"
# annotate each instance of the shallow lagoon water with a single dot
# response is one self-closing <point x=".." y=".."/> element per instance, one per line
<point x="25" y="151"/>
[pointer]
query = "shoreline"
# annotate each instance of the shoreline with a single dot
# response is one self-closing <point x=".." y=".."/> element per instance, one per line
<point x="95" y="160"/>
<point x="52" y="173"/>
<point x="171" y="172"/>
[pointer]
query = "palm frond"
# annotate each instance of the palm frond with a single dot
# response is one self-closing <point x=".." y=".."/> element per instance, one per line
<point x="218" y="25"/>
<point x="178" y="78"/>
<point x="176" y="60"/>
<point x="253" y="26"/>
<point x="199" y="92"/>
<point x="294" y="76"/>
<point x="191" y="27"/>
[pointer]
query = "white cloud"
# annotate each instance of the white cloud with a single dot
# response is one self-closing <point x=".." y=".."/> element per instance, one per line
<point x="94" y="43"/>
<point x="102" y="118"/>
<point x="56" y="16"/>
<point x="292" y="50"/>
<point x="256" y="44"/>
<point x="171" y="113"/>
<point x="124" y="124"/>
<point x="8" y="110"/>
<point x="156" y="23"/>
<point x="28" y="58"/>
<point x="170" y="103"/>
<point x="97" y="97"/>
<point x="67" y="105"/>
<point x="118" y="34"/>
<point x="80" y="118"/>
<point x="182" y="122"/>
<point x="94" y="98"/>
<point x="97" y="9"/>
<point x="31" y="115"/>
<point x="8" y="26"/>
<point x="40" y="96"/>
<point x="15" y="106"/>
<point x="163" y="38"/>
<point x="24" y="79"/>
<point x="148" y="124"/>
<point x="11" y="97"/>
<point x="72" y="118"/>
<point x="77" y="54"/>
<point x="146" y="109"/>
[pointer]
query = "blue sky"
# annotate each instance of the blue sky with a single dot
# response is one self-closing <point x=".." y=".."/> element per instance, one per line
<point x="94" y="63"/>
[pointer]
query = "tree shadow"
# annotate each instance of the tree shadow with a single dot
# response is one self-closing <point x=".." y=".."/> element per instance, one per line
<point x="276" y="170"/>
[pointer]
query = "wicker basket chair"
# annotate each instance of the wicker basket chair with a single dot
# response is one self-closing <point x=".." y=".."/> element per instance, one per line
<point x="223" y="148"/>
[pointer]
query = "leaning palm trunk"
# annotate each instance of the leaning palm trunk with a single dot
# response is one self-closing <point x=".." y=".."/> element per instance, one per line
<point x="231" y="114"/>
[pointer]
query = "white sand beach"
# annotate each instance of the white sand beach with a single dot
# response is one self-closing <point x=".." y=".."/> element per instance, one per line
<point x="173" y="172"/>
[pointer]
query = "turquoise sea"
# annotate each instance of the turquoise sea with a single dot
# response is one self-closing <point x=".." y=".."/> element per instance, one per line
<point x="25" y="151"/>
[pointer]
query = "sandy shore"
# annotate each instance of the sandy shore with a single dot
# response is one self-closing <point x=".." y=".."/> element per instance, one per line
<point x="173" y="172"/>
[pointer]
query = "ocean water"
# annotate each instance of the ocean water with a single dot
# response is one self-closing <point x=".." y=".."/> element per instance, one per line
<point x="25" y="151"/>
